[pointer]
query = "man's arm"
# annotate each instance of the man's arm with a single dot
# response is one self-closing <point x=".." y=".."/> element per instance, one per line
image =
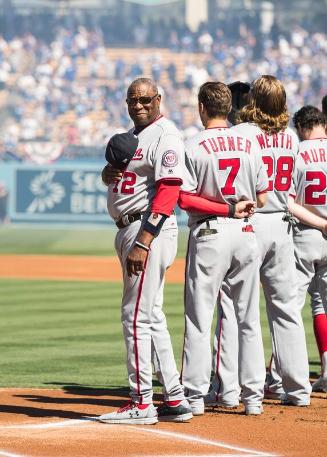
<point x="192" y="202"/>
<point x="262" y="199"/>
<point x="306" y="216"/>
<point x="163" y="204"/>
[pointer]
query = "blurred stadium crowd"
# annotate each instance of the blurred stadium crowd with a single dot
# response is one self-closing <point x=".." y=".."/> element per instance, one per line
<point x="69" y="89"/>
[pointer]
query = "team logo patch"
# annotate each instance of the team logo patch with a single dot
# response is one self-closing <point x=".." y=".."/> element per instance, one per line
<point x="170" y="159"/>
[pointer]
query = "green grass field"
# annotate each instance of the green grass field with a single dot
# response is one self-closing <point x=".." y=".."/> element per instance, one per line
<point x="71" y="241"/>
<point x="58" y="333"/>
<point x="55" y="334"/>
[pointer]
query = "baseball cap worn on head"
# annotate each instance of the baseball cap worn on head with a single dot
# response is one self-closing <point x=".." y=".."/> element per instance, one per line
<point x="121" y="149"/>
<point x="239" y="89"/>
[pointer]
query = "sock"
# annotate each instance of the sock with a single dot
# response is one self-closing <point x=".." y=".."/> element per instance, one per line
<point x="320" y="329"/>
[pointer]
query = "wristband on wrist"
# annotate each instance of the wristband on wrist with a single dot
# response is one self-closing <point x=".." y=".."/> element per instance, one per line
<point x="231" y="210"/>
<point x="154" y="223"/>
<point x="142" y="246"/>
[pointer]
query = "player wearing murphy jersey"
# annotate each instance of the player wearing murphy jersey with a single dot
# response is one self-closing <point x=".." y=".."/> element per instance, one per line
<point x="224" y="167"/>
<point x="310" y="207"/>
<point x="265" y="122"/>
<point x="142" y="204"/>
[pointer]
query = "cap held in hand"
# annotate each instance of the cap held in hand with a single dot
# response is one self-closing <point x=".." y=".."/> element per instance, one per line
<point x="121" y="149"/>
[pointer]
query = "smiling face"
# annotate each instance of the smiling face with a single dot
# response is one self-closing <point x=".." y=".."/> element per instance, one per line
<point x="143" y="103"/>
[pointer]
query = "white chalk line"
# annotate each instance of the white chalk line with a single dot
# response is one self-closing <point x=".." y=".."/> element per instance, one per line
<point x="195" y="439"/>
<point x="9" y="454"/>
<point x="179" y="436"/>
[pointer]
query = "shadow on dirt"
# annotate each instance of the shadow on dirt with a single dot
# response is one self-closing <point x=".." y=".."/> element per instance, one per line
<point x="75" y="394"/>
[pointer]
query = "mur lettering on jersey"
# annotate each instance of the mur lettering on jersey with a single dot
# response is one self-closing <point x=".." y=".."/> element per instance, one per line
<point x="226" y="143"/>
<point x="314" y="155"/>
<point x="277" y="140"/>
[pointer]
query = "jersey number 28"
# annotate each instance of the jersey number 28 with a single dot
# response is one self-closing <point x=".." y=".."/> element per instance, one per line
<point x="283" y="172"/>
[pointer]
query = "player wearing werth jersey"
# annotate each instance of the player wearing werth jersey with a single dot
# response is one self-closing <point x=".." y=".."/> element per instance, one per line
<point x="224" y="167"/>
<point x="141" y="201"/>
<point x="265" y="121"/>
<point x="309" y="205"/>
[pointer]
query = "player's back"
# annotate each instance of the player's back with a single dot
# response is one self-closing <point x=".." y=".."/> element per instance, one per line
<point x="223" y="166"/>
<point x="278" y="152"/>
<point x="310" y="176"/>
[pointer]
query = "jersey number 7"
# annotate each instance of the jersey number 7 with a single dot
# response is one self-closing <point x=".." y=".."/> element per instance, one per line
<point x="234" y="165"/>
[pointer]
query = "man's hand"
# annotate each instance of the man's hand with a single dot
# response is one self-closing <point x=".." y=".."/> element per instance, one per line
<point x="110" y="175"/>
<point x="244" y="209"/>
<point x="135" y="262"/>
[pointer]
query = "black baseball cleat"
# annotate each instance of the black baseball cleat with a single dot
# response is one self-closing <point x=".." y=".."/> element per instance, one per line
<point x="174" y="411"/>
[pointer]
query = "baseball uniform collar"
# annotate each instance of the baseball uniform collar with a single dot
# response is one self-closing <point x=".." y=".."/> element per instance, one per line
<point x="136" y="131"/>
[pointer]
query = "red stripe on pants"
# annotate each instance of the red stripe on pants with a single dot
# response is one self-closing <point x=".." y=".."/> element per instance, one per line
<point x="136" y="351"/>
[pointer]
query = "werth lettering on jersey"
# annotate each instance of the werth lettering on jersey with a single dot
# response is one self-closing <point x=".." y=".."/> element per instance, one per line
<point x="314" y="155"/>
<point x="277" y="140"/>
<point x="278" y="154"/>
<point x="228" y="143"/>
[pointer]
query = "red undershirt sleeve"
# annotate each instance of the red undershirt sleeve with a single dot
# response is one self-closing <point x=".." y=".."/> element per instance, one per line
<point x="192" y="202"/>
<point x="167" y="193"/>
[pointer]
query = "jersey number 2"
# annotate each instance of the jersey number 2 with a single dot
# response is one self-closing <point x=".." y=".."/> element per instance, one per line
<point x="127" y="183"/>
<point x="234" y="165"/>
<point x="318" y="188"/>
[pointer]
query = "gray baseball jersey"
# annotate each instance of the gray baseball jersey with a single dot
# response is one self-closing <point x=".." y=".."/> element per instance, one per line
<point x="223" y="166"/>
<point x="310" y="181"/>
<point x="277" y="272"/>
<point x="278" y="153"/>
<point x="160" y="155"/>
<point x="310" y="176"/>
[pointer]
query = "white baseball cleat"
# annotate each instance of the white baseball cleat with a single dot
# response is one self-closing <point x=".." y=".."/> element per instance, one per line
<point x="212" y="399"/>
<point x="253" y="410"/>
<point x="320" y="385"/>
<point x="197" y="407"/>
<point x="286" y="401"/>
<point x="132" y="413"/>
<point x="175" y="411"/>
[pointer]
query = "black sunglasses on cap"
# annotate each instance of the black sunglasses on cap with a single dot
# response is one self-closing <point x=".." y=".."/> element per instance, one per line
<point x="142" y="100"/>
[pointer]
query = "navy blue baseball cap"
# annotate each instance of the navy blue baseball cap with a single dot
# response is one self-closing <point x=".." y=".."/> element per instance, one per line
<point x="121" y="149"/>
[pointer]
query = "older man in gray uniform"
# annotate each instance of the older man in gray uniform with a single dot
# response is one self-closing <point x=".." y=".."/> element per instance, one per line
<point x="141" y="201"/>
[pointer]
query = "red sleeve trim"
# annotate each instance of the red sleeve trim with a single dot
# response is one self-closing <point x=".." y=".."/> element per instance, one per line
<point x="166" y="196"/>
<point x="169" y="180"/>
<point x="192" y="202"/>
<point x="293" y="196"/>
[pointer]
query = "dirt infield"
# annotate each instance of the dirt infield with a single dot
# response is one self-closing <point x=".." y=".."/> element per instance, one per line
<point x="49" y="423"/>
<point x="70" y="268"/>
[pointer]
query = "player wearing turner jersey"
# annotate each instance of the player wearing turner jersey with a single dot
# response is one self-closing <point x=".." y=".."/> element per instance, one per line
<point x="265" y="121"/>
<point x="224" y="167"/>
<point x="309" y="205"/>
